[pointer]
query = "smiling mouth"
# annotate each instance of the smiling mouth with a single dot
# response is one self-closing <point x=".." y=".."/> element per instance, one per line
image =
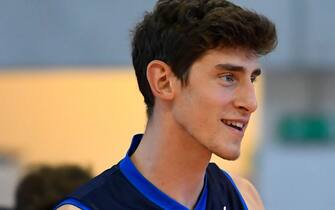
<point x="234" y="124"/>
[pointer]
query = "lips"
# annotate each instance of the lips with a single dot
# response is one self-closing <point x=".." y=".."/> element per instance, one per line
<point x="236" y="124"/>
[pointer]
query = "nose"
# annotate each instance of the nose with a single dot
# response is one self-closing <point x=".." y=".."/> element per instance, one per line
<point x="245" y="98"/>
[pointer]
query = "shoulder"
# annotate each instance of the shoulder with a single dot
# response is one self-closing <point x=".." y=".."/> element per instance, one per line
<point x="68" y="207"/>
<point x="249" y="193"/>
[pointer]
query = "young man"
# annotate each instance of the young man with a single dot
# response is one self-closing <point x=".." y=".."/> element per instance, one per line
<point x="195" y="62"/>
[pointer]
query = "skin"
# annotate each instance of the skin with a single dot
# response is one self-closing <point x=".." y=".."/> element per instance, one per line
<point x="188" y="124"/>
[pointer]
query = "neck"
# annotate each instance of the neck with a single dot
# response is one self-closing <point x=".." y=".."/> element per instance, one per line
<point x="172" y="160"/>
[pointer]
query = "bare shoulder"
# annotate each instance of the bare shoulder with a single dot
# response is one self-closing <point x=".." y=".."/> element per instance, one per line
<point x="68" y="207"/>
<point x="249" y="193"/>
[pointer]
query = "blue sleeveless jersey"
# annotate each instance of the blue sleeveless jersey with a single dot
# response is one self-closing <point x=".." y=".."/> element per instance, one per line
<point x="122" y="187"/>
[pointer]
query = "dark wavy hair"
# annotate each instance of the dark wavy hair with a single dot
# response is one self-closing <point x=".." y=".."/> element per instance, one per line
<point x="178" y="32"/>
<point x="44" y="186"/>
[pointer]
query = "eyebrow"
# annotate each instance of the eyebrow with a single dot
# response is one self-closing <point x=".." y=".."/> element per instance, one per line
<point x="232" y="67"/>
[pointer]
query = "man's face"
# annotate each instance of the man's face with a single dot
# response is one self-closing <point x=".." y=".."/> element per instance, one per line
<point x="214" y="107"/>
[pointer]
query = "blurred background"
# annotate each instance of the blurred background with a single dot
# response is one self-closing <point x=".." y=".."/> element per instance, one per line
<point x="68" y="95"/>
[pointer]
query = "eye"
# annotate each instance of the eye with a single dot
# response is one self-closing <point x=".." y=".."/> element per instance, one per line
<point x="227" y="78"/>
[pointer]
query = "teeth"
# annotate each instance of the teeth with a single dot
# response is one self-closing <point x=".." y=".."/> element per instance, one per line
<point x="240" y="125"/>
<point x="234" y="123"/>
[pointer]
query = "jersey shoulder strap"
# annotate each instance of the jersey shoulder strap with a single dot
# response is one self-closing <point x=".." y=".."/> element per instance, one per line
<point x="111" y="190"/>
<point x="222" y="191"/>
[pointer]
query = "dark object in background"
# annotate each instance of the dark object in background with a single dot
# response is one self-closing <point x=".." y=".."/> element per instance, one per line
<point x="42" y="187"/>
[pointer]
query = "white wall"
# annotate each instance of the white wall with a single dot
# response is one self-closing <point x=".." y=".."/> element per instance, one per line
<point x="297" y="176"/>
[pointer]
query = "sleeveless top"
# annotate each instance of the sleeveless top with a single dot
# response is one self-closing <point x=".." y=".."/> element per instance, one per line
<point x="123" y="187"/>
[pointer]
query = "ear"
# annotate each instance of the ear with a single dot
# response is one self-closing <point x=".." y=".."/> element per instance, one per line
<point x="161" y="79"/>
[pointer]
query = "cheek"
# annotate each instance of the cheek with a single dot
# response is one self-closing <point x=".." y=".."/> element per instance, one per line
<point x="216" y="99"/>
<point x="206" y="108"/>
<point x="203" y="106"/>
<point x="190" y="109"/>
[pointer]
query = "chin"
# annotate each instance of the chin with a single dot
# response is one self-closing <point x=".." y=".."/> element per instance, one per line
<point x="228" y="154"/>
<point x="232" y="157"/>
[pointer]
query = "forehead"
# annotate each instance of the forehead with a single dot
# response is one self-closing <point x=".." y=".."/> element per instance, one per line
<point x="236" y="57"/>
